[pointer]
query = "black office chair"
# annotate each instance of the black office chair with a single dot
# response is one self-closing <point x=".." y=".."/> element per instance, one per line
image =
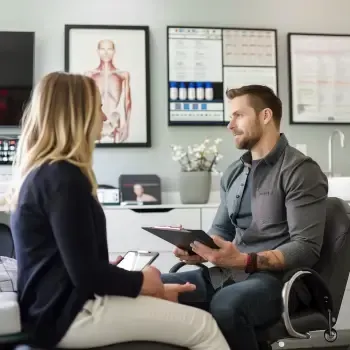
<point x="7" y="247"/>
<point x="326" y="283"/>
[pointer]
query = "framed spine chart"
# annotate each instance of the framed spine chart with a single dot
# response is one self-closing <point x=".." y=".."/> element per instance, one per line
<point x="203" y="62"/>
<point x="319" y="77"/>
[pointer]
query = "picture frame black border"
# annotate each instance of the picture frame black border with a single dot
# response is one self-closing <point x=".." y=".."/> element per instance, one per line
<point x="290" y="80"/>
<point x="214" y="123"/>
<point x="69" y="27"/>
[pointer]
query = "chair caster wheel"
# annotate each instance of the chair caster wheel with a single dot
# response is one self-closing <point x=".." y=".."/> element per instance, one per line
<point x="332" y="336"/>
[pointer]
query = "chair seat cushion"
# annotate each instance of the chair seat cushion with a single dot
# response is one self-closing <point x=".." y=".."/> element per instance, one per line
<point x="302" y="322"/>
<point x="10" y="321"/>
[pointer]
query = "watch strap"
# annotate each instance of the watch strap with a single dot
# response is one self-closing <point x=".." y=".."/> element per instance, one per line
<point x="252" y="263"/>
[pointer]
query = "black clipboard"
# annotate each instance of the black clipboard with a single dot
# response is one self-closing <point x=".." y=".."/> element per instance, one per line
<point x="181" y="237"/>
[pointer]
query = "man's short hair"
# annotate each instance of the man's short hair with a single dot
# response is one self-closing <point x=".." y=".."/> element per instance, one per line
<point x="260" y="97"/>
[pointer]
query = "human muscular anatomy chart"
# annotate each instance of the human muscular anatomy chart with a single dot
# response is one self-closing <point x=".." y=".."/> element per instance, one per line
<point x="114" y="85"/>
<point x="117" y="59"/>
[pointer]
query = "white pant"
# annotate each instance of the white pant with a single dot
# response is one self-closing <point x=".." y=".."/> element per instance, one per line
<point x="109" y="320"/>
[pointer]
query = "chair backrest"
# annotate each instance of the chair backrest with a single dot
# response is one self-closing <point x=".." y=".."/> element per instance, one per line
<point x="334" y="263"/>
<point x="7" y="247"/>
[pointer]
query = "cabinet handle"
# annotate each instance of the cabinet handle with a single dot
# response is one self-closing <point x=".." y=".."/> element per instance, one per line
<point x="152" y="210"/>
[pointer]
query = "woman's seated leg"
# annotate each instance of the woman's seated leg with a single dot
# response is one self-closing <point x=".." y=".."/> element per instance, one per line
<point x="110" y="320"/>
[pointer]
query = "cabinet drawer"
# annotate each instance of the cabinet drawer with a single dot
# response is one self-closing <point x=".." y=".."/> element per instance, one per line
<point x="124" y="230"/>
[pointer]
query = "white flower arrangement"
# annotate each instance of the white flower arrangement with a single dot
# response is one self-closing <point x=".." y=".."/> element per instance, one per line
<point x="203" y="157"/>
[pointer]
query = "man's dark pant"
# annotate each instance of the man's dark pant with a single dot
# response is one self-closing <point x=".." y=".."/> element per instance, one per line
<point x="238" y="308"/>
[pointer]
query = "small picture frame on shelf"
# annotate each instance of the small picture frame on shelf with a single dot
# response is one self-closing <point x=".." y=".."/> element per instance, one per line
<point x="140" y="188"/>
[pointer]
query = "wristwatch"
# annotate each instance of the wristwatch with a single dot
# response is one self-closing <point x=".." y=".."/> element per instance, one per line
<point x="252" y="263"/>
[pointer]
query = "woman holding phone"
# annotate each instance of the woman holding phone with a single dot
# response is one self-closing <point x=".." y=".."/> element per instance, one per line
<point x="70" y="295"/>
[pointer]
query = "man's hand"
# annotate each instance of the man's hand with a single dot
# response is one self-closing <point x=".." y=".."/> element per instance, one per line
<point x="172" y="291"/>
<point x="187" y="258"/>
<point x="226" y="256"/>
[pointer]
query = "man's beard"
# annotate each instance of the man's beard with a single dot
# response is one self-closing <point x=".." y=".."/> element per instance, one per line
<point x="249" y="142"/>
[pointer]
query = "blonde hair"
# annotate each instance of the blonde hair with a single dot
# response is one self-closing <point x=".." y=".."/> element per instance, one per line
<point x="59" y="123"/>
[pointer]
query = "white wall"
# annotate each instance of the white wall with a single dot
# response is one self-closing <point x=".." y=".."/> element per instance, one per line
<point x="48" y="17"/>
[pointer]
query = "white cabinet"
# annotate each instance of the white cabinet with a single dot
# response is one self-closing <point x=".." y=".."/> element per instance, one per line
<point x="207" y="217"/>
<point x="124" y="227"/>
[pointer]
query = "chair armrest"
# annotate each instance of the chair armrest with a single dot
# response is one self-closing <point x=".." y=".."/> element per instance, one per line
<point x="181" y="264"/>
<point x="323" y="298"/>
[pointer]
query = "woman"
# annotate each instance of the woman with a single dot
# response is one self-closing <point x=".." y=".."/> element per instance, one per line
<point x="69" y="293"/>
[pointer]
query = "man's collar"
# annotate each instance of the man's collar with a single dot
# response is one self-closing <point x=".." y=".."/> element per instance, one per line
<point x="272" y="157"/>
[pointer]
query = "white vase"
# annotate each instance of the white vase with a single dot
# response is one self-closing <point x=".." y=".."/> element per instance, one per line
<point x="195" y="187"/>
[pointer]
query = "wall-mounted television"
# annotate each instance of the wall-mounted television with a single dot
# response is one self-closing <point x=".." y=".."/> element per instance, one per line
<point x="16" y="75"/>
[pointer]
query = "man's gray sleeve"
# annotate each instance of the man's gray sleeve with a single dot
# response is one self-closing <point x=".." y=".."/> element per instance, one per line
<point x="306" y="190"/>
<point x="222" y="225"/>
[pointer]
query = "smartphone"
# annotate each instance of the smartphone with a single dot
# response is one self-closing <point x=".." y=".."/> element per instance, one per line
<point x="137" y="260"/>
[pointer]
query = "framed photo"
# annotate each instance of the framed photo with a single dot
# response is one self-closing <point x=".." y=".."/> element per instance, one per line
<point x="319" y="78"/>
<point x="117" y="58"/>
<point x="140" y="188"/>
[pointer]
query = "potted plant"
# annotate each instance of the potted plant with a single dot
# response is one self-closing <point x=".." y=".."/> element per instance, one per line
<point x="197" y="163"/>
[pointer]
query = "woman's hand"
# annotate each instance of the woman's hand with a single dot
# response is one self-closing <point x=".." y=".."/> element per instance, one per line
<point x="172" y="290"/>
<point x="117" y="260"/>
<point x="152" y="284"/>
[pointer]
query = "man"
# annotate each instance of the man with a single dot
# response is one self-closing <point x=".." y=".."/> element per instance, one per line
<point x="271" y="219"/>
<point x="141" y="196"/>
<point x="113" y="83"/>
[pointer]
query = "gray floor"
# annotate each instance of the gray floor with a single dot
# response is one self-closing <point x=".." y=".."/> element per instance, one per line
<point x="318" y="342"/>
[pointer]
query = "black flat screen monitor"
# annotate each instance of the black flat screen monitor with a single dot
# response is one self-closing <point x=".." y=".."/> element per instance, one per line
<point x="16" y="75"/>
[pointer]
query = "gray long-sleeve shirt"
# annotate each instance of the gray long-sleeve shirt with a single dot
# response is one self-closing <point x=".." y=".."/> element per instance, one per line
<point x="288" y="203"/>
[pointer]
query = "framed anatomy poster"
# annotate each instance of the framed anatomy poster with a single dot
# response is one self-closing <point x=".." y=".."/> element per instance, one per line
<point x="203" y="62"/>
<point x="319" y="71"/>
<point x="117" y="58"/>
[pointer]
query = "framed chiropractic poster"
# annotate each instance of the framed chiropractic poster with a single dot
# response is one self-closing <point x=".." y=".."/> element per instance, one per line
<point x="319" y="71"/>
<point x="117" y="58"/>
<point x="204" y="62"/>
